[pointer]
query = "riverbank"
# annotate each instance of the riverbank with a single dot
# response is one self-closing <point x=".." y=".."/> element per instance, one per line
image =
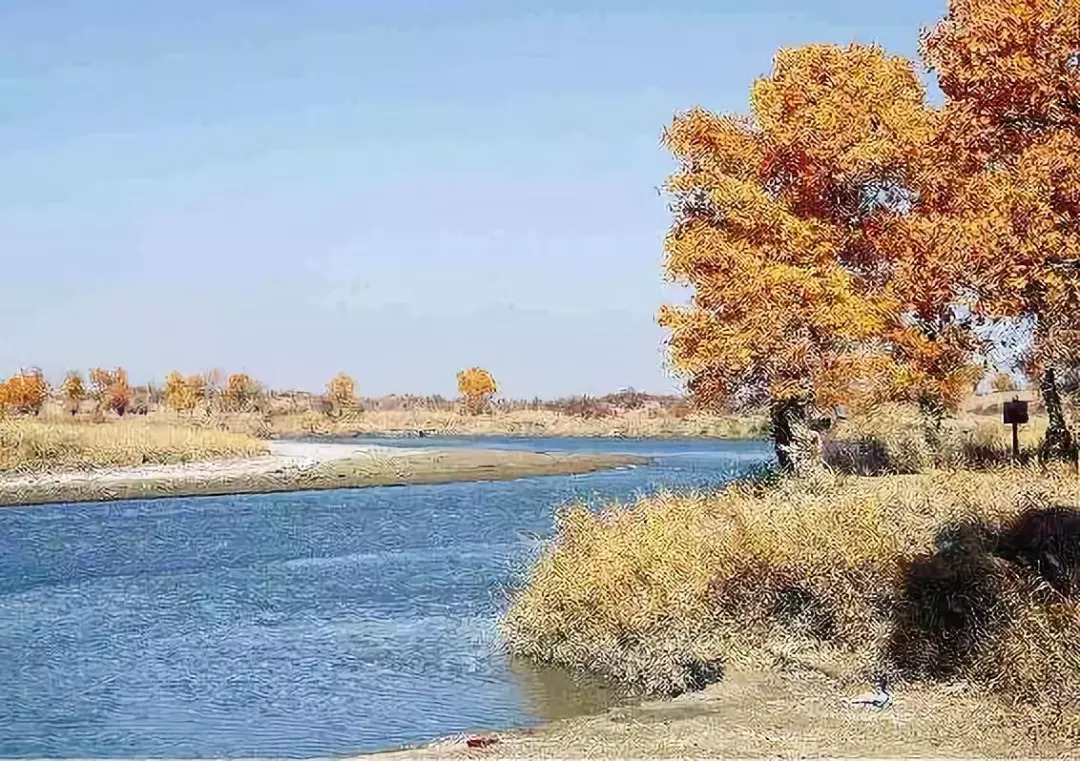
<point x="796" y="712"/>
<point x="799" y="712"/>
<point x="297" y="466"/>
<point x="768" y="607"/>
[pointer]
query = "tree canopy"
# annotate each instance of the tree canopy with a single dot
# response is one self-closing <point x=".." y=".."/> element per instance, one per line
<point x="786" y="228"/>
<point x="843" y="240"/>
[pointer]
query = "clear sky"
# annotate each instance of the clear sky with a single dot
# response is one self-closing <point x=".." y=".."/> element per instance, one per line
<point x="392" y="188"/>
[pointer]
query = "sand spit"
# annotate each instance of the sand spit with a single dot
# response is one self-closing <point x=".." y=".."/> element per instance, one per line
<point x="297" y="466"/>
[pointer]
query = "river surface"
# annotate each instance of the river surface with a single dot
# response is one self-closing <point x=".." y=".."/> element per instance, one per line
<point x="306" y="624"/>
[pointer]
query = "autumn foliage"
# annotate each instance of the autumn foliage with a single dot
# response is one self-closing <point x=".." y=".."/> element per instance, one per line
<point x="779" y="230"/>
<point x="110" y="389"/>
<point x="73" y="391"/>
<point x="477" y="386"/>
<point x="240" y="390"/>
<point x="845" y="239"/>
<point x="25" y="392"/>
<point x="341" y="392"/>
<point x="183" y="394"/>
<point x="1010" y="70"/>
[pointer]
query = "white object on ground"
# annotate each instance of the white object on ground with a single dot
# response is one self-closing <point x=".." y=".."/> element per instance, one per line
<point x="877" y="699"/>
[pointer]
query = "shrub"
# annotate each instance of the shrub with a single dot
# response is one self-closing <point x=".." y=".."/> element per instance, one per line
<point x="937" y="575"/>
<point x="898" y="439"/>
<point x="586" y="407"/>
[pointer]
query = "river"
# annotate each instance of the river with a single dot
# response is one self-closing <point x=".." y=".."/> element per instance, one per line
<point x="306" y="624"/>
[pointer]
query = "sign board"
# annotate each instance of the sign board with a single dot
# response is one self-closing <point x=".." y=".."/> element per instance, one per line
<point x="1015" y="412"/>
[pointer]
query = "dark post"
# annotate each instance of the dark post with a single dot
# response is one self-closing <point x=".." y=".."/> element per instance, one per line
<point x="1015" y="413"/>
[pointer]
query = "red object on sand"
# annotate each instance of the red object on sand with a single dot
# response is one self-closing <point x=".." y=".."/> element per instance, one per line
<point x="480" y="741"/>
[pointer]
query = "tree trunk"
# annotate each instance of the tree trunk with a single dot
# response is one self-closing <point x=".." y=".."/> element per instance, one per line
<point x="1058" y="443"/>
<point x="933" y="416"/>
<point x="793" y="439"/>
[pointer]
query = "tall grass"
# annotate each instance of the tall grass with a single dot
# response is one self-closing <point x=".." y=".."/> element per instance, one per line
<point x="897" y="439"/>
<point x="29" y="445"/>
<point x="869" y="573"/>
<point x="628" y="423"/>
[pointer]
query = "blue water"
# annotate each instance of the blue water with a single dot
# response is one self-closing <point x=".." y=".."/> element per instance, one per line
<point x="293" y="625"/>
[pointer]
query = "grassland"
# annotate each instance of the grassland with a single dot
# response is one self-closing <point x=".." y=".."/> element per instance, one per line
<point x="30" y="445"/>
<point x="539" y="423"/>
<point x="896" y="439"/>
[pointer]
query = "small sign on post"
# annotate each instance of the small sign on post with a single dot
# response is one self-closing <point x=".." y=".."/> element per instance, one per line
<point x="1015" y="413"/>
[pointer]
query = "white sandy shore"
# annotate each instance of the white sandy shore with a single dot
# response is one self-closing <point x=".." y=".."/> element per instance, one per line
<point x="283" y="455"/>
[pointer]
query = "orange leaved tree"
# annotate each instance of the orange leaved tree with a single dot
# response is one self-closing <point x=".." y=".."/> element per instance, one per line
<point x="180" y="394"/>
<point x="1010" y="71"/>
<point x="25" y="392"/>
<point x="775" y="230"/>
<point x="111" y="389"/>
<point x="200" y="385"/>
<point x="73" y="391"/>
<point x="477" y="386"/>
<point x="240" y="391"/>
<point x="341" y="392"/>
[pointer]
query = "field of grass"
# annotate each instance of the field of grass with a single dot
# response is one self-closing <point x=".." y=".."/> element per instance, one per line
<point x="941" y="575"/>
<point x="894" y="439"/>
<point x="629" y="423"/>
<point x="32" y="445"/>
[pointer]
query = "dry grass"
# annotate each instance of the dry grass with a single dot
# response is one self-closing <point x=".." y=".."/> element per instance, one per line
<point x="629" y="423"/>
<point x="894" y="439"/>
<point x="643" y="423"/>
<point x="29" y="445"/>
<point x="867" y="574"/>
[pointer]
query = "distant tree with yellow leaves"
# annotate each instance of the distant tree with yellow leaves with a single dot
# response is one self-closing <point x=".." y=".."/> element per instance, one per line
<point x="477" y="386"/>
<point x="111" y="390"/>
<point x="200" y="385"/>
<point x="25" y="392"/>
<point x="1003" y="382"/>
<point x="180" y="395"/>
<point x="73" y="391"/>
<point x="240" y="391"/>
<point x="341" y="393"/>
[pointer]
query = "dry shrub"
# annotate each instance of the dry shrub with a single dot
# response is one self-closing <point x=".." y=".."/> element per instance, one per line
<point x="892" y="572"/>
<point x="585" y="407"/>
<point x="32" y="446"/>
<point x="896" y="438"/>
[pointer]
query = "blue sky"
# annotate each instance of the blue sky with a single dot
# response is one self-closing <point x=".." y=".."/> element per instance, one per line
<point x="395" y="189"/>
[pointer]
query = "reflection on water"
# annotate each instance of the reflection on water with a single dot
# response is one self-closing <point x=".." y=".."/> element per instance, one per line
<point x="554" y="694"/>
<point x="293" y="625"/>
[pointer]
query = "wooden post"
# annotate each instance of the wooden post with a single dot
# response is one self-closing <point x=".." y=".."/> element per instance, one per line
<point x="1015" y="413"/>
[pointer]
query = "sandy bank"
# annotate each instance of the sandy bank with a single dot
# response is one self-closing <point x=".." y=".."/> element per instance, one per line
<point x="296" y="466"/>
<point x="768" y="714"/>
